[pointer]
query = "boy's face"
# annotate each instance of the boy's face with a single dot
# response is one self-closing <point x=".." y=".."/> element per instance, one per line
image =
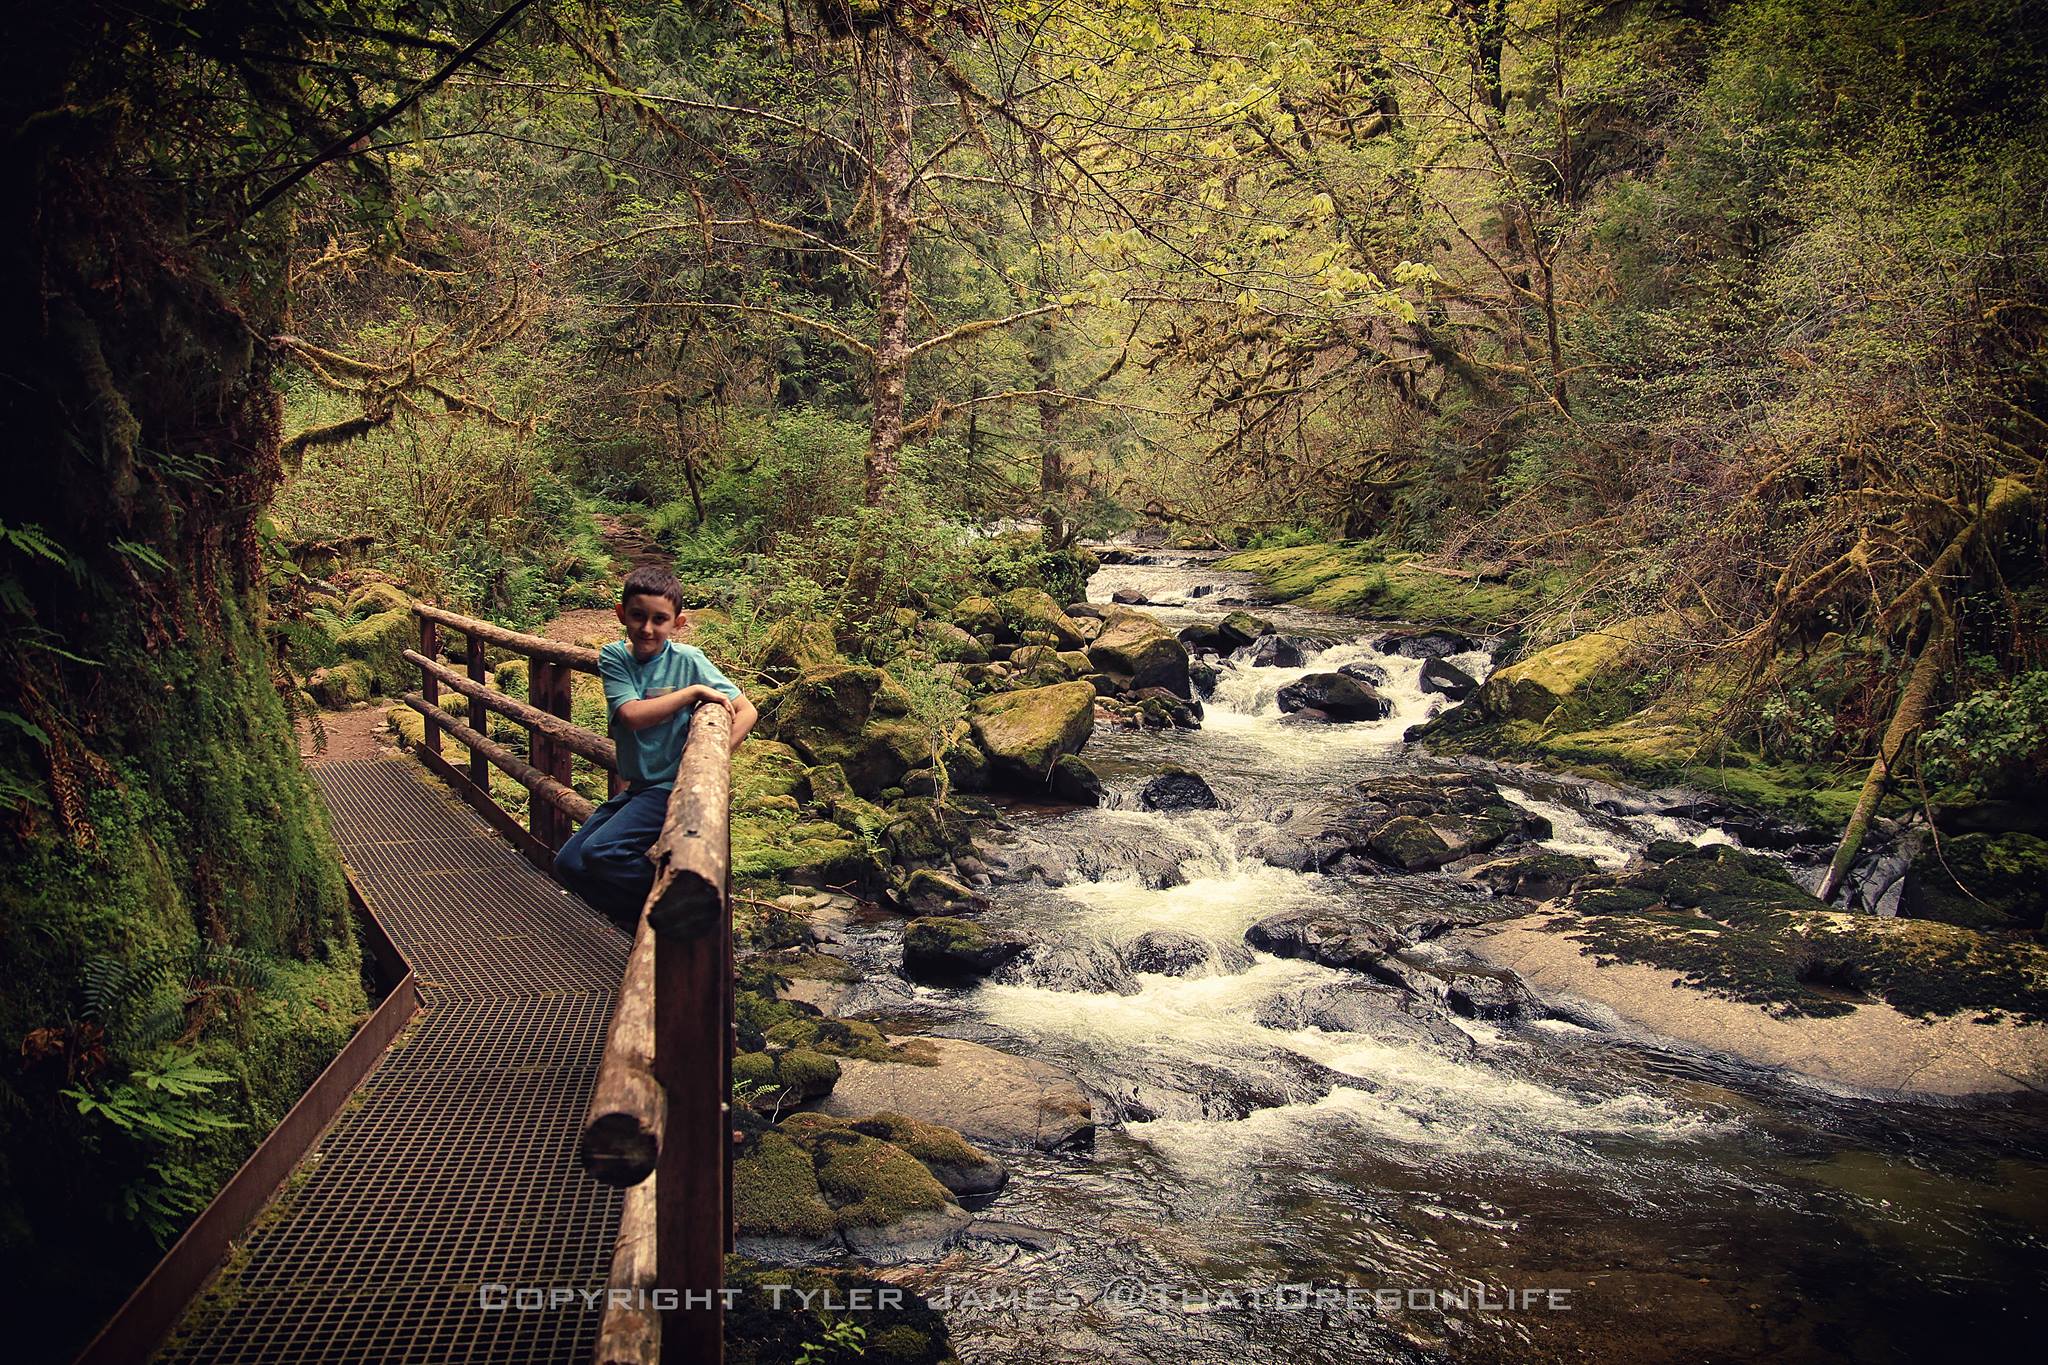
<point x="648" y="621"/>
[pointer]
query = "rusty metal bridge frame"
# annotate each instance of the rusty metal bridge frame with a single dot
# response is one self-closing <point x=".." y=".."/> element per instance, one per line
<point x="445" y="1214"/>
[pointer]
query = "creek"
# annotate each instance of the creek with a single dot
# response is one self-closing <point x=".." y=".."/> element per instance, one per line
<point x="1269" y="1122"/>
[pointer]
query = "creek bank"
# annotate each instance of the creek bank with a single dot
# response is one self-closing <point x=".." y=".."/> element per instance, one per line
<point x="1721" y="950"/>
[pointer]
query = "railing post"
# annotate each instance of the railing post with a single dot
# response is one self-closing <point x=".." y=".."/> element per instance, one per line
<point x="541" y="752"/>
<point x="430" y="686"/>
<point x="479" y="766"/>
<point x="690" y="913"/>
<point x="561" y="760"/>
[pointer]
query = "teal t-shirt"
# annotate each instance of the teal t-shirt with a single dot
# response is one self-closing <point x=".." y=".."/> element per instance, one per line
<point x="649" y="757"/>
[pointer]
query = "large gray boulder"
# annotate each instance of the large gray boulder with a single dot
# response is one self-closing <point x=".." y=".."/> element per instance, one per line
<point x="988" y="1097"/>
<point x="1133" y="646"/>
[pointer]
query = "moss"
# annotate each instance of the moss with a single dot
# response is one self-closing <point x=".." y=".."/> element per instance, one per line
<point x="978" y="616"/>
<point x="342" y="685"/>
<point x="775" y="1191"/>
<point x="790" y="1076"/>
<point x="1736" y="924"/>
<point x="777" y="844"/>
<point x="930" y="1143"/>
<point x="1539" y="685"/>
<point x="510" y="677"/>
<point x="198" y="825"/>
<point x="1982" y="881"/>
<point x="869" y="1182"/>
<point x="408" y="725"/>
<point x="374" y="599"/>
<point x="1359" y="579"/>
<point x="764" y="768"/>
<point x="795" y="646"/>
<point x="1024" y="732"/>
<point x="763" y="1327"/>
<point x="831" y="1037"/>
<point x="380" y="642"/>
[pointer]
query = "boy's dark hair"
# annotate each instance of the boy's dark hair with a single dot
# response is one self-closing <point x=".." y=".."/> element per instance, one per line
<point x="651" y="580"/>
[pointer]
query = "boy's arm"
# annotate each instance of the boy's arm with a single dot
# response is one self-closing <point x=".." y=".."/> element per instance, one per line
<point x="743" y="717"/>
<point x="654" y="710"/>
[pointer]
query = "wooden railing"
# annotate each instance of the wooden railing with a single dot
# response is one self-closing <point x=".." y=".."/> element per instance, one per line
<point x="658" y="1123"/>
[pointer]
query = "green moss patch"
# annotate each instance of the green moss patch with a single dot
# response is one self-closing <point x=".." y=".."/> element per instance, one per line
<point x="1735" y="924"/>
<point x="1362" y="580"/>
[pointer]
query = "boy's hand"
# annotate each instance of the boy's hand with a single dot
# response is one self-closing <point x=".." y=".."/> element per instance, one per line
<point x="698" y="694"/>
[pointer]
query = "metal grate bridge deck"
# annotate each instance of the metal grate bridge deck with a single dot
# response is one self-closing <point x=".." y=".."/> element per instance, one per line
<point x="455" y="1166"/>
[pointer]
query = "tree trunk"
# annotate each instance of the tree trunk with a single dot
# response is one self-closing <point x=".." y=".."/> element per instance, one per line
<point x="892" y="262"/>
<point x="1905" y="723"/>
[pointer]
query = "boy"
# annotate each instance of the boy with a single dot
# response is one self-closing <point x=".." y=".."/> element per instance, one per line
<point x="651" y="687"/>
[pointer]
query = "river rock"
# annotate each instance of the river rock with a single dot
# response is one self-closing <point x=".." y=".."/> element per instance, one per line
<point x="951" y="644"/>
<point x="1277" y="848"/>
<point x="1167" y="952"/>
<point x="1084" y="967"/>
<point x="1241" y="628"/>
<point x="1024" y="733"/>
<point x="1370" y="674"/>
<point x="1535" y="687"/>
<point x="1539" y="875"/>
<point x="1273" y="651"/>
<point x="1447" y="679"/>
<point x="988" y="1097"/>
<point x="1385" y="1013"/>
<point x="1336" y="696"/>
<point x="1128" y="597"/>
<point x="954" y="1162"/>
<point x="1335" y="936"/>
<point x="1421" y="822"/>
<point x="1205" y="638"/>
<point x="1074" y="781"/>
<point x="1178" y="788"/>
<point x="855" y="717"/>
<point x="946" y="949"/>
<point x="1135" y="647"/>
<point x="926" y="892"/>
<point x="1203" y="677"/>
<point x="1028" y="610"/>
<point x="1425" y="644"/>
<point x="978" y="616"/>
<point x="812" y="1186"/>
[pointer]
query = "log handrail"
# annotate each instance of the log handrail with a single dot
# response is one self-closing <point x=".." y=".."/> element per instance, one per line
<point x="658" y="1118"/>
<point x="575" y="738"/>
<point x="567" y="800"/>
<point x="582" y="658"/>
<point x="658" y="1114"/>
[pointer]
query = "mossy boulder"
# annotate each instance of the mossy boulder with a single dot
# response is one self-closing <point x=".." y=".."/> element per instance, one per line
<point x="1135" y="647"/>
<point x="795" y="646"/>
<point x="926" y="892"/>
<point x="787" y="1077"/>
<point x="1025" y="611"/>
<point x="1039" y="665"/>
<point x="1537" y="875"/>
<point x="1982" y="881"/>
<point x="1024" y="733"/>
<point x="765" y="768"/>
<point x="344" y="684"/>
<point x="814" y="1179"/>
<point x="780" y="845"/>
<point x="854" y="717"/>
<point x="510" y="677"/>
<point x="954" y="1162"/>
<point x="978" y="616"/>
<point x="380" y="642"/>
<point x="407" y="725"/>
<point x="1074" y="781"/>
<point x="1536" y="687"/>
<point x="374" y="599"/>
<point x="950" y="644"/>
<point x="1241" y="628"/>
<point x="944" y="948"/>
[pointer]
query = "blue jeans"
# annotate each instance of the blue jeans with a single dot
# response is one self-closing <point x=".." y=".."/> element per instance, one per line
<point x="605" y="861"/>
